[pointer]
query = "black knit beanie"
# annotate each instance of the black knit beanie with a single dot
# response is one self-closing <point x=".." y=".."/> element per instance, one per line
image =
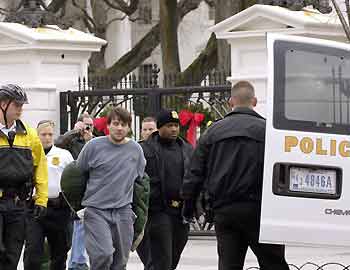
<point x="167" y="116"/>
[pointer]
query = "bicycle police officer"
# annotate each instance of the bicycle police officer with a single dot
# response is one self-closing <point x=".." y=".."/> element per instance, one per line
<point x="22" y="167"/>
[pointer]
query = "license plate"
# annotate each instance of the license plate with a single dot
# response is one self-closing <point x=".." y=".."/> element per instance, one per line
<point x="312" y="181"/>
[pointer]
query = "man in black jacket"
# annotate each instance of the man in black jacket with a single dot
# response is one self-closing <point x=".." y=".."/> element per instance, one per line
<point x="167" y="157"/>
<point x="230" y="160"/>
<point x="75" y="139"/>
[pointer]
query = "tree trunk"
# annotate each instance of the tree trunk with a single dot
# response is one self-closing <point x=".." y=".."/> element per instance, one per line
<point x="168" y="36"/>
<point x="74" y="16"/>
<point x="223" y="10"/>
<point x="97" y="60"/>
<point x="144" y="48"/>
<point x="347" y="8"/>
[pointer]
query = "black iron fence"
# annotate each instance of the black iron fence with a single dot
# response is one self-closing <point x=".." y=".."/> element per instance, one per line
<point x="151" y="78"/>
<point x="142" y="102"/>
<point x="141" y="95"/>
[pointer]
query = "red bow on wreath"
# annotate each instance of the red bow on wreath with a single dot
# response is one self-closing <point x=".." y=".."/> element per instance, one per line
<point x="101" y="125"/>
<point x="193" y="120"/>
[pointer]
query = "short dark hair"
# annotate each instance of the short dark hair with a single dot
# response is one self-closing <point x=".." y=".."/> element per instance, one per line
<point x="149" y="119"/>
<point x="120" y="114"/>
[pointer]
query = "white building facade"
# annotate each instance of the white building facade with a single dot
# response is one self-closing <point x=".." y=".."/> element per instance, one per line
<point x="50" y="60"/>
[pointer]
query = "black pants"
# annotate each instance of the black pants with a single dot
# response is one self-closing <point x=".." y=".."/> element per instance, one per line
<point x="237" y="227"/>
<point x="13" y="216"/>
<point x="144" y="250"/>
<point x="56" y="226"/>
<point x="168" y="237"/>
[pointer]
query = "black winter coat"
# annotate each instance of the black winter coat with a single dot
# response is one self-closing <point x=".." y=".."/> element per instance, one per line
<point x="155" y="169"/>
<point x="229" y="160"/>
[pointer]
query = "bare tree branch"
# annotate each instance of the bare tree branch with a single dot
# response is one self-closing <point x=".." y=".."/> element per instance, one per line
<point x="347" y="5"/>
<point x="144" y="48"/>
<point x="4" y="11"/>
<point x="112" y="5"/>
<point x="201" y="66"/>
<point x="43" y="4"/>
<point x="88" y="20"/>
<point x="115" y="19"/>
<point x="186" y="6"/>
<point x="123" y="6"/>
<point x="56" y="5"/>
<point x="342" y="19"/>
<point x="210" y="3"/>
<point x="11" y="8"/>
<point x="136" y="19"/>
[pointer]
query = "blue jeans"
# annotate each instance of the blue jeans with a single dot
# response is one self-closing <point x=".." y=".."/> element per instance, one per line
<point x="78" y="245"/>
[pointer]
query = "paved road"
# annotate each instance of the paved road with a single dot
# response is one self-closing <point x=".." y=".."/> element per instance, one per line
<point x="200" y="253"/>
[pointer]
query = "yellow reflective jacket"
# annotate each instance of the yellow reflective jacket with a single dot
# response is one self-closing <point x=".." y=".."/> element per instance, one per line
<point x="25" y="161"/>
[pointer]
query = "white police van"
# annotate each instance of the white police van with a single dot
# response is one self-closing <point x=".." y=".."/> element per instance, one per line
<point x="306" y="190"/>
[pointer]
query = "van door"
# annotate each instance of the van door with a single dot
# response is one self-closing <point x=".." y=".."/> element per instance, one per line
<point x="306" y="189"/>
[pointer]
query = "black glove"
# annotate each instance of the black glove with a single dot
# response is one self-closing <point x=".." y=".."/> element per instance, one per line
<point x="39" y="211"/>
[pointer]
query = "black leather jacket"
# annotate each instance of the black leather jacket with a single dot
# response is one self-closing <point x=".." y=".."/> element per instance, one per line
<point x="229" y="160"/>
<point x="71" y="141"/>
<point x="155" y="169"/>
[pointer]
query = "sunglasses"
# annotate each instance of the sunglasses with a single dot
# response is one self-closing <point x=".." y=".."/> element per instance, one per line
<point x="46" y="122"/>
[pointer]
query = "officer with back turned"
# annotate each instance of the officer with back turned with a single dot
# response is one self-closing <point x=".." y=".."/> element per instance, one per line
<point x="229" y="160"/>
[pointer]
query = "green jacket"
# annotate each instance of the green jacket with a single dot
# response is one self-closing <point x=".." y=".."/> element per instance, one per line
<point x="140" y="208"/>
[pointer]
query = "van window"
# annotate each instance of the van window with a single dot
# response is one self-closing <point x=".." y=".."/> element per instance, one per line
<point x="311" y="88"/>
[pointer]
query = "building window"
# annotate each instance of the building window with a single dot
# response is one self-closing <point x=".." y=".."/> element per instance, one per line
<point x="145" y="75"/>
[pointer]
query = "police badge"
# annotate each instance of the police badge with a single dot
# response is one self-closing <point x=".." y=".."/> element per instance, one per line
<point x="174" y="115"/>
<point x="55" y="161"/>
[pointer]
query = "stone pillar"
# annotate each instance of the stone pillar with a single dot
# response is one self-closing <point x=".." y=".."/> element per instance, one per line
<point x="246" y="34"/>
<point x="46" y="60"/>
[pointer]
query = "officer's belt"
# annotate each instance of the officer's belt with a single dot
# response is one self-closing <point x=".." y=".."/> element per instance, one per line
<point x="175" y="204"/>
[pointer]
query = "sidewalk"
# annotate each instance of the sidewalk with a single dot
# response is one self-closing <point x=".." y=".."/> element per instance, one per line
<point x="200" y="253"/>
